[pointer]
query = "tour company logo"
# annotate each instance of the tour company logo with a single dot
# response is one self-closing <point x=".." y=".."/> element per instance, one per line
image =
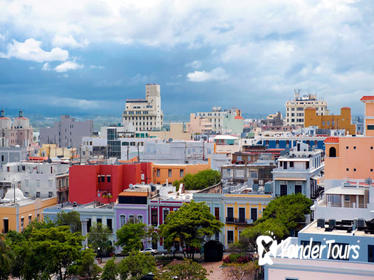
<point x="268" y="247"/>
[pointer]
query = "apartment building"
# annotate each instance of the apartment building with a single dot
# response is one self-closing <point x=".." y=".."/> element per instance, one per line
<point x="16" y="132"/>
<point x="67" y="132"/>
<point x="295" y="108"/>
<point x="144" y="114"/>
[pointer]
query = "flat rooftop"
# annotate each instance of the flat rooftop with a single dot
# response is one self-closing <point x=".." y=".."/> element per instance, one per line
<point x="313" y="229"/>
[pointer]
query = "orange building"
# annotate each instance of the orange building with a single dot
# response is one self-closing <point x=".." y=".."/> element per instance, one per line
<point x="18" y="216"/>
<point x="342" y="121"/>
<point x="162" y="173"/>
<point x="352" y="157"/>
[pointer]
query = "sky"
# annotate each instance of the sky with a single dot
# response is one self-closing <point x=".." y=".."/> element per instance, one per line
<point x="86" y="57"/>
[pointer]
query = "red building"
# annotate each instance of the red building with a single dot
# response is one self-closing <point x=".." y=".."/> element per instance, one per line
<point x="103" y="183"/>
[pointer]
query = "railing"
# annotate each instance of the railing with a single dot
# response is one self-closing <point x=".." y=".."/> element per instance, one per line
<point x="238" y="221"/>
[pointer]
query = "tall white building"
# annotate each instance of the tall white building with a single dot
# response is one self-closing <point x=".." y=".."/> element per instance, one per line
<point x="144" y="114"/>
<point x="295" y="108"/>
<point x="217" y="116"/>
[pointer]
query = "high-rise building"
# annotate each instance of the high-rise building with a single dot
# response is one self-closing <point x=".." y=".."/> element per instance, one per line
<point x="67" y="132"/>
<point x="295" y="108"/>
<point x="144" y="114"/>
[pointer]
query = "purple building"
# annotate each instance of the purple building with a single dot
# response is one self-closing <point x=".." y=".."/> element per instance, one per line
<point x="67" y="132"/>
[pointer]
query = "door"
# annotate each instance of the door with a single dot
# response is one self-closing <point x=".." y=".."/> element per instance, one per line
<point x="298" y="189"/>
<point x="283" y="190"/>
<point x="254" y="214"/>
<point x="230" y="214"/>
<point x="241" y="215"/>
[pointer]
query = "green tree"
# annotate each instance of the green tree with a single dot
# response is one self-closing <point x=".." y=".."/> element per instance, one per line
<point x="201" y="180"/>
<point x="86" y="267"/>
<point x="189" y="226"/>
<point x="130" y="236"/>
<point x="98" y="237"/>
<point x="187" y="270"/>
<point x="71" y="219"/>
<point x="6" y="259"/>
<point x="110" y="271"/>
<point x="136" y="265"/>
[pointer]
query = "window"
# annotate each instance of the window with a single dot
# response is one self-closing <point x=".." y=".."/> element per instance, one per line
<point x="108" y="179"/>
<point x="140" y="219"/>
<point x="332" y="152"/>
<point x="354" y="147"/>
<point x="158" y="172"/>
<point x="88" y="225"/>
<point x="291" y="163"/>
<point x="166" y="213"/>
<point x="98" y="179"/>
<point x="2" y="158"/>
<point x="170" y="173"/>
<point x="30" y="218"/>
<point x="37" y="194"/>
<point x="307" y="165"/>
<point x="370" y="127"/>
<point x="99" y="221"/>
<point x="50" y="194"/>
<point x="181" y="172"/>
<point x="297" y="188"/>
<point x="217" y="236"/>
<point x="346" y="147"/>
<point x="109" y="224"/>
<point x="254" y="214"/>
<point x="22" y="223"/>
<point x="241" y="215"/>
<point x="122" y="220"/>
<point x="230" y="236"/>
<point x="154" y="217"/>
<point x="230" y="212"/>
<point x="131" y="219"/>
<point x="354" y="169"/>
<point x="5" y="225"/>
<point x="370" y="253"/>
<point x="102" y="179"/>
<point x="283" y="190"/>
<point x="347" y="169"/>
<point x="216" y="212"/>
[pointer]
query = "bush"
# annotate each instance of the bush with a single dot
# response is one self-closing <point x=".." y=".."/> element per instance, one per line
<point x="236" y="258"/>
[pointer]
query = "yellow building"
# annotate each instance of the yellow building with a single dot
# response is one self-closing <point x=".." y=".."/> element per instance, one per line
<point x="241" y="211"/>
<point x="342" y="121"/>
<point x="18" y="216"/>
<point x="176" y="132"/>
<point x="52" y="151"/>
<point x="162" y="173"/>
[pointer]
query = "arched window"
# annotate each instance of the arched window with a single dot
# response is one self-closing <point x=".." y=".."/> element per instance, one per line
<point x="332" y="152"/>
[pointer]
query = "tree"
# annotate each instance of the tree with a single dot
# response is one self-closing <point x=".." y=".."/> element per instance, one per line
<point x="189" y="226"/>
<point x="201" y="180"/>
<point x="71" y="219"/>
<point x="110" y="271"/>
<point x="240" y="271"/>
<point x="136" y="265"/>
<point x="42" y="251"/>
<point x="86" y="267"/>
<point x="6" y="259"/>
<point x="187" y="270"/>
<point x="98" y="237"/>
<point x="130" y="236"/>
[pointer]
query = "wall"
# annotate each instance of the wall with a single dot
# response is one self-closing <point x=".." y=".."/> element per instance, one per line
<point x="175" y="169"/>
<point x="176" y="132"/>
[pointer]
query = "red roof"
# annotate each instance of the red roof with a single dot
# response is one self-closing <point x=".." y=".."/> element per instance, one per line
<point x="239" y="118"/>
<point x="332" y="140"/>
<point x="367" y="98"/>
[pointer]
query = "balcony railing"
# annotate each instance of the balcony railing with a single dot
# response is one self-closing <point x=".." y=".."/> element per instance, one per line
<point x="238" y="221"/>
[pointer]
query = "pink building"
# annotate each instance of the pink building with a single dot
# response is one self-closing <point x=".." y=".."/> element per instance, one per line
<point x="15" y="133"/>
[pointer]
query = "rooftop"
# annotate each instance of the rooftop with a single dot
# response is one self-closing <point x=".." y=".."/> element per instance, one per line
<point x="312" y="228"/>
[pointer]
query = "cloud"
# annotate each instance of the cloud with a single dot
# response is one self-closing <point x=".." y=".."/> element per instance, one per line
<point x="67" y="66"/>
<point x="30" y="50"/>
<point x="217" y="74"/>
<point x="99" y="67"/>
<point x="46" y="67"/>
<point x="68" y="41"/>
<point x="194" y="64"/>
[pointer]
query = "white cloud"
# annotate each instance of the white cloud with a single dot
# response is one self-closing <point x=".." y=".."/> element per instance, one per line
<point x="30" y="50"/>
<point x="217" y="74"/>
<point x="46" y="67"/>
<point x="194" y="64"/>
<point x="67" y="66"/>
<point x="68" y="41"/>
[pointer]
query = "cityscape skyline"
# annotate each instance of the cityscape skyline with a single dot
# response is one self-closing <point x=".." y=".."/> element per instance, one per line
<point x="87" y="58"/>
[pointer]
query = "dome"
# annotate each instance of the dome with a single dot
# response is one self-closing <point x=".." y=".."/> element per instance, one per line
<point x="21" y="121"/>
<point x="5" y="122"/>
<point x="9" y="196"/>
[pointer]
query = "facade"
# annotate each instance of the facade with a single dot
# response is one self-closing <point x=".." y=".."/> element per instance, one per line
<point x="241" y="211"/>
<point x="53" y="151"/>
<point x="168" y="173"/>
<point x="66" y="133"/>
<point x="144" y="114"/>
<point x="342" y="121"/>
<point x="199" y="125"/>
<point x="16" y="132"/>
<point x="103" y="183"/>
<point x="369" y="115"/>
<point x="233" y="124"/>
<point x="17" y="216"/>
<point x="295" y="108"/>
<point x="226" y="144"/>
<point x="12" y="154"/>
<point x="176" y="131"/>
<point x="298" y="172"/>
<point x="36" y="180"/>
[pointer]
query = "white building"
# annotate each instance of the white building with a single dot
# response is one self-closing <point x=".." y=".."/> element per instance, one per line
<point x="144" y="114"/>
<point x="295" y="108"/>
<point x="34" y="179"/>
<point x="217" y="116"/>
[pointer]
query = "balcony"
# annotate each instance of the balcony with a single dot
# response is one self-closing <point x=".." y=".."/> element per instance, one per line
<point x="238" y="221"/>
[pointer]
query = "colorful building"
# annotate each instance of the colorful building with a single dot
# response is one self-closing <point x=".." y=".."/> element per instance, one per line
<point x="163" y="173"/>
<point x="176" y="131"/>
<point x="103" y="183"/>
<point x="342" y="121"/>
<point x="17" y="216"/>
<point x="241" y="211"/>
<point x="369" y="115"/>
